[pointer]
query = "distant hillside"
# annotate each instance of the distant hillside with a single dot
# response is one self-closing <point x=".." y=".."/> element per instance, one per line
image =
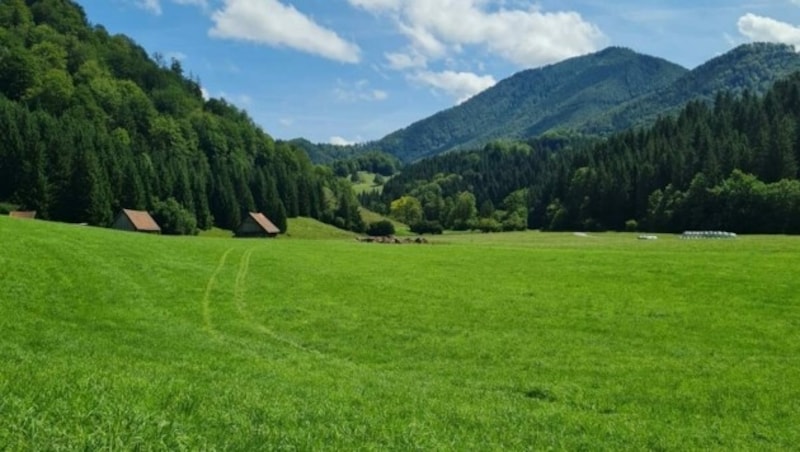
<point x="732" y="164"/>
<point x="561" y="95"/>
<point x="324" y="153"/>
<point x="599" y="93"/>
<point x="753" y="67"/>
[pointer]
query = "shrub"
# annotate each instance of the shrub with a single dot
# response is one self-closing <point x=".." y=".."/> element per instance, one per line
<point x="380" y="228"/>
<point x="488" y="225"/>
<point x="516" y="221"/>
<point x="5" y="208"/>
<point x="173" y="218"/>
<point x="631" y="226"/>
<point x="427" y="227"/>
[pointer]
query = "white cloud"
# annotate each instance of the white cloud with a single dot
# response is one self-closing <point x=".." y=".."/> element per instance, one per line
<point x="201" y="3"/>
<point x="423" y="41"/>
<point x="377" y="5"/>
<point x="400" y="61"/>
<point x="526" y="37"/>
<point x="273" y="23"/>
<point x="758" y="28"/>
<point x="358" y="91"/>
<point x="460" y="85"/>
<point x="240" y="100"/>
<point x="153" y="6"/>
<point x="339" y="141"/>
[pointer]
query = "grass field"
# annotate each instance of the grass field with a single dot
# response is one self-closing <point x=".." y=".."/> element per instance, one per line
<point x="310" y="229"/>
<point x="114" y="340"/>
<point x="297" y="228"/>
<point x="366" y="183"/>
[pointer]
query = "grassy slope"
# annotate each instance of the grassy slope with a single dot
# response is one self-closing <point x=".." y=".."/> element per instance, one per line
<point x="121" y="340"/>
<point x="311" y="229"/>
<point x="367" y="183"/>
<point x="401" y="229"/>
<point x="299" y="228"/>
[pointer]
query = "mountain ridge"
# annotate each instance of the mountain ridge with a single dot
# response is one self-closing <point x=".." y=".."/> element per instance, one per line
<point x="721" y="73"/>
<point x="603" y="92"/>
<point x="528" y="96"/>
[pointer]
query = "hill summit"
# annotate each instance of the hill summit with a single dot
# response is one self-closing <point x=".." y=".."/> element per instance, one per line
<point x="602" y="92"/>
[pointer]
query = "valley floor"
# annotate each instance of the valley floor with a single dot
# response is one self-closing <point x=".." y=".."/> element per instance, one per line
<point x="520" y="341"/>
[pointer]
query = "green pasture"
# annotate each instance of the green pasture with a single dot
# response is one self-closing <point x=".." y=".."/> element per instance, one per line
<point x="115" y="340"/>
<point x="366" y="183"/>
<point x="311" y="229"/>
<point x="298" y="228"/>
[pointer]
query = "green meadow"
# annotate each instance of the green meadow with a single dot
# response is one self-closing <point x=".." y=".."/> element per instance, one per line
<point x="366" y="182"/>
<point x="115" y="340"/>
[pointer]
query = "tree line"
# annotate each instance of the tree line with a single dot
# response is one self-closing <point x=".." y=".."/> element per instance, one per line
<point x="91" y="124"/>
<point x="730" y="164"/>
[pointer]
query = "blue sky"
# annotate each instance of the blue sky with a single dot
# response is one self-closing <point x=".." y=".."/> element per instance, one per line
<point x="355" y="70"/>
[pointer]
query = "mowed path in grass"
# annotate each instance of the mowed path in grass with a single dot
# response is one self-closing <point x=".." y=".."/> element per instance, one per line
<point x="521" y="341"/>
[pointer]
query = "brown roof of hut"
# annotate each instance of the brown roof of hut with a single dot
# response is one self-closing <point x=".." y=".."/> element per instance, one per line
<point x="28" y="215"/>
<point x="264" y="222"/>
<point x="257" y="225"/>
<point x="137" y="220"/>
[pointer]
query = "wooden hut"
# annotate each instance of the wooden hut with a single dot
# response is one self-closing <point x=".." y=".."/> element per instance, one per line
<point x="28" y="215"/>
<point x="257" y="225"/>
<point x="136" y="221"/>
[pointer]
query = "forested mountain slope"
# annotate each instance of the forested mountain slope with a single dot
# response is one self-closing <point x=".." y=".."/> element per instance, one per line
<point x="534" y="101"/>
<point x="91" y="124"/>
<point x="754" y="67"/>
<point x="731" y="164"/>
<point x="600" y="93"/>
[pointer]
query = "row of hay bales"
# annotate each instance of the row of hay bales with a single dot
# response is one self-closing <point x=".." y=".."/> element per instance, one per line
<point x="696" y="235"/>
<point x="390" y="239"/>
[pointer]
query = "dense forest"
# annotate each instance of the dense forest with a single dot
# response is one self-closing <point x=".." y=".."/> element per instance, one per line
<point x="379" y="163"/>
<point x="730" y="165"/>
<point x="91" y="124"/>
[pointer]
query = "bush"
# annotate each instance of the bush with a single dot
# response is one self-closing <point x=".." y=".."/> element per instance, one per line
<point x="427" y="227"/>
<point x="380" y="228"/>
<point x="516" y="221"/>
<point x="488" y="225"/>
<point x="173" y="218"/>
<point x="631" y="226"/>
<point x="5" y="208"/>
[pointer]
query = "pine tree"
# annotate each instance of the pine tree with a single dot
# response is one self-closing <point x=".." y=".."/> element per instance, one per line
<point x="32" y="190"/>
<point x="89" y="200"/>
<point x="273" y="206"/>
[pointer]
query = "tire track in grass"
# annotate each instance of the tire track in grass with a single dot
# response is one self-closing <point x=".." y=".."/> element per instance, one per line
<point x="212" y="281"/>
<point x="239" y="291"/>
